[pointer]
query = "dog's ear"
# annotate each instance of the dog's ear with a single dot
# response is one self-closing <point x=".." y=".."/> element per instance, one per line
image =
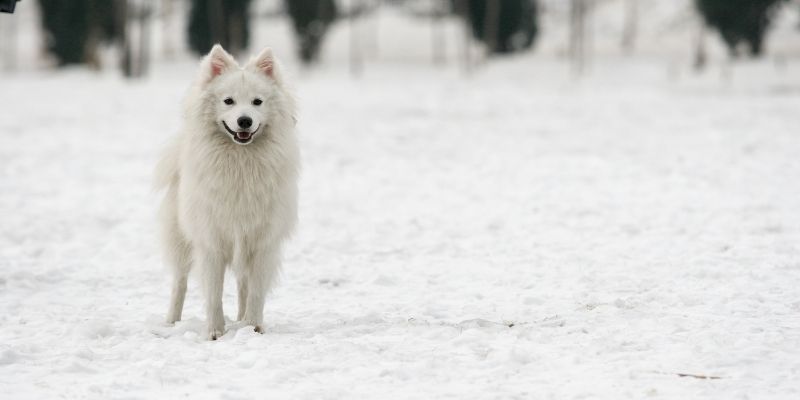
<point x="216" y="62"/>
<point x="266" y="63"/>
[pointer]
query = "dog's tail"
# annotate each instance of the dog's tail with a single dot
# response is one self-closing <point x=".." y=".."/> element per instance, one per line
<point x="167" y="172"/>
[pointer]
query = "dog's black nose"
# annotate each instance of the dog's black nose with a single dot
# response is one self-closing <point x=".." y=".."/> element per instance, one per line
<point x="245" y="122"/>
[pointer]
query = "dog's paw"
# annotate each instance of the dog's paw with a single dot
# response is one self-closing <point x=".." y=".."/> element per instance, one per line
<point x="214" y="334"/>
<point x="172" y="318"/>
<point x="256" y="324"/>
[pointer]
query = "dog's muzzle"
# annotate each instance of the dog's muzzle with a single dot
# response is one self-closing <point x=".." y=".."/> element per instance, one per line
<point x="242" y="137"/>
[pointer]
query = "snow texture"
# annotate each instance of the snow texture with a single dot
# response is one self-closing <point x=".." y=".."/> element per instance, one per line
<point x="633" y="234"/>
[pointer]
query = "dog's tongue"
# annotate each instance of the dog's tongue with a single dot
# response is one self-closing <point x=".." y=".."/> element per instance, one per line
<point x="243" y="135"/>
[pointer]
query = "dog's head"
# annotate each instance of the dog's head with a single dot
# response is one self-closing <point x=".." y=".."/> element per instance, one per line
<point x="241" y="102"/>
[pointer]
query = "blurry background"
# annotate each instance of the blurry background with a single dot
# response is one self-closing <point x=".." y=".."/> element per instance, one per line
<point x="556" y="199"/>
<point x="137" y="35"/>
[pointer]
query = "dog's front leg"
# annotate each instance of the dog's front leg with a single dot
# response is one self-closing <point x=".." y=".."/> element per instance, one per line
<point x="261" y="274"/>
<point x="212" y="267"/>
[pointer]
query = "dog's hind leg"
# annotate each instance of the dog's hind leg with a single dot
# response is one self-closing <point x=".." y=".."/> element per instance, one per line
<point x="180" y="276"/>
<point x="177" y="253"/>
<point x="241" y="281"/>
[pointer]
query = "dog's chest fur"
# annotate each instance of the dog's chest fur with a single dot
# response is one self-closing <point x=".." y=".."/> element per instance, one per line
<point x="232" y="193"/>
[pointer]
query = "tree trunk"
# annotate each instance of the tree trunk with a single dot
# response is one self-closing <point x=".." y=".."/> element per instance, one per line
<point x="462" y="8"/>
<point x="124" y="37"/>
<point x="700" y="56"/>
<point x="167" y="20"/>
<point x="216" y="20"/>
<point x="356" y="58"/>
<point x="491" y="24"/>
<point x="630" y="29"/>
<point x="437" y="33"/>
<point x="144" y="15"/>
<point x="577" y="43"/>
<point x="8" y="31"/>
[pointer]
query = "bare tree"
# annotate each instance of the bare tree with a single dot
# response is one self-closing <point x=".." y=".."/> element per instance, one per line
<point x="491" y="25"/>
<point x="437" y="31"/>
<point x="700" y="55"/>
<point x="630" y="29"/>
<point x="578" y="33"/>
<point x="167" y="21"/>
<point x="462" y="8"/>
<point x="133" y="20"/>
<point x="356" y="56"/>
<point x="216" y="23"/>
<point x="371" y="45"/>
<point x="121" y="24"/>
<point x="143" y="20"/>
<point x="8" y="45"/>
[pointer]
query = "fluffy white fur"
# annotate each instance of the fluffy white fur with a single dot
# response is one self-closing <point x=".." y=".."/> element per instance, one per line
<point x="230" y="204"/>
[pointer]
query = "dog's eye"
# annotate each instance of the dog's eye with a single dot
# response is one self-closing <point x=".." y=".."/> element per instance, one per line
<point x="257" y="102"/>
<point x="228" y="101"/>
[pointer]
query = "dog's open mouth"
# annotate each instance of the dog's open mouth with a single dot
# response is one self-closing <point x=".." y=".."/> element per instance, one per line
<point x="242" y="137"/>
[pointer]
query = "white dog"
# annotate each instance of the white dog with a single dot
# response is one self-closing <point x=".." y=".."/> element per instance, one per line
<point x="231" y="180"/>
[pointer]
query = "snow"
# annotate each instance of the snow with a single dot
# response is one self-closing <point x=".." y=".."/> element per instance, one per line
<point x="460" y="237"/>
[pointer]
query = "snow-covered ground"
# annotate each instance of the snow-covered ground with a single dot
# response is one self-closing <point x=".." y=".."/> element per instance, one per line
<point x="511" y="234"/>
